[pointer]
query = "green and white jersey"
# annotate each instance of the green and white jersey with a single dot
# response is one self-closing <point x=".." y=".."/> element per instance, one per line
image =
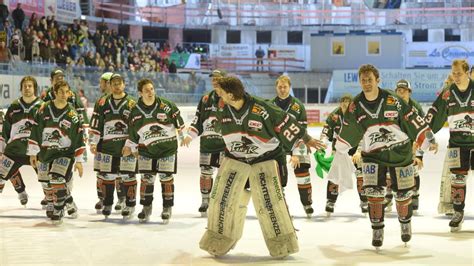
<point x="111" y="125"/>
<point x="259" y="131"/>
<point x="333" y="125"/>
<point x="457" y="108"/>
<point x="295" y="109"/>
<point x="17" y="125"/>
<point x="75" y="100"/>
<point x="203" y="124"/>
<point x="58" y="133"/>
<point x="387" y="128"/>
<point x="153" y="128"/>
<point x="95" y="116"/>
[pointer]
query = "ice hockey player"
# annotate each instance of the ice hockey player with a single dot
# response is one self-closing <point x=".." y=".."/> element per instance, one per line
<point x="330" y="131"/>
<point x="300" y="159"/>
<point x="387" y="128"/>
<point x="455" y="104"/>
<point x="211" y="143"/>
<point x="17" y="124"/>
<point x="155" y="123"/>
<point x="104" y="86"/>
<point x="255" y="132"/>
<point x="404" y="91"/>
<point x="56" y="147"/>
<point x="110" y="129"/>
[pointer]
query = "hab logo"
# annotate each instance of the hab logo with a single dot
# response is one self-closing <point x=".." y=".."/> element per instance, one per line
<point x="383" y="136"/>
<point x="244" y="146"/>
<point x="463" y="123"/>
<point x="369" y="169"/>
<point x="405" y="172"/>
<point x="119" y="128"/>
<point x="390" y="114"/>
<point x="64" y="123"/>
<point x="453" y="153"/>
<point x="54" y="136"/>
<point x="154" y="131"/>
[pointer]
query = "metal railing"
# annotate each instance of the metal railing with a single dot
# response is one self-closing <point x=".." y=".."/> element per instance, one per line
<point x="239" y="13"/>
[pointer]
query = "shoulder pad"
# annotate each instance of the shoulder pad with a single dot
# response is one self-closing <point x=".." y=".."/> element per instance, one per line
<point x="131" y="103"/>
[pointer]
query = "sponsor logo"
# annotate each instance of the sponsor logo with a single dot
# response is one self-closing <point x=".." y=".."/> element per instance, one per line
<point x="255" y="124"/>
<point x="463" y="123"/>
<point x="119" y="128"/>
<point x="54" y="136"/>
<point x="211" y="125"/>
<point x="390" y="100"/>
<point x="155" y="131"/>
<point x="223" y="203"/>
<point x="161" y="116"/>
<point x="390" y="114"/>
<point x="25" y="128"/>
<point x="269" y="205"/>
<point x="383" y="136"/>
<point x="244" y="146"/>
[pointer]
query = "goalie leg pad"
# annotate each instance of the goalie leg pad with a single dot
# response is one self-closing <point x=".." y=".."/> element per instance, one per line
<point x="445" y="203"/>
<point x="271" y="209"/>
<point x="226" y="196"/>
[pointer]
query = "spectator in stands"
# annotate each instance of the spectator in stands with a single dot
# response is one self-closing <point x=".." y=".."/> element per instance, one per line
<point x="172" y="69"/>
<point x="28" y="43"/>
<point x="33" y="18"/>
<point x="3" y="13"/>
<point x="8" y="28"/>
<point x="18" y="16"/>
<point x="260" y="54"/>
<point x="45" y="51"/>
<point x="5" y="55"/>
<point x="16" y="48"/>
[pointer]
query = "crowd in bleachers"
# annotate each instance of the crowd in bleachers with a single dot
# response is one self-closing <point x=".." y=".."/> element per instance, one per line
<point x="44" y="40"/>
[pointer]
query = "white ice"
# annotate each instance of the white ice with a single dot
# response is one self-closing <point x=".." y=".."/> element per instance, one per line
<point x="27" y="237"/>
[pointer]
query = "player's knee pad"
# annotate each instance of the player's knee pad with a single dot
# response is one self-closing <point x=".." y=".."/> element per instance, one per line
<point x="166" y="177"/>
<point x="458" y="190"/>
<point x="109" y="177"/>
<point x="148" y="178"/>
<point x="127" y="177"/>
<point x="458" y="180"/>
<point x="374" y="192"/>
<point x="207" y="170"/>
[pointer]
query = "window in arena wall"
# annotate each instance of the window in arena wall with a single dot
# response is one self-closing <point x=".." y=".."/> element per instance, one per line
<point x="233" y="36"/>
<point x="338" y="46"/>
<point x="374" y="46"/>
<point x="264" y="37"/>
<point x="420" y="35"/>
<point x="295" y="37"/>
<point x="452" y="35"/>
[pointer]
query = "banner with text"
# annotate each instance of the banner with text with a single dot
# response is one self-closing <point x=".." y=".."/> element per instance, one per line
<point x="10" y="88"/>
<point x="64" y="10"/>
<point x="438" y="54"/>
<point x="425" y="83"/>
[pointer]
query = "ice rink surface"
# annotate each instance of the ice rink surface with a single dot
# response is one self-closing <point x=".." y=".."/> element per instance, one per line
<point x="27" y="237"/>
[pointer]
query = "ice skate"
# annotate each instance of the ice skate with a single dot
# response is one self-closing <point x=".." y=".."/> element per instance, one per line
<point x="57" y="216"/>
<point x="456" y="221"/>
<point x="144" y="215"/>
<point x="23" y="197"/>
<point x="106" y="211"/>
<point x="166" y="215"/>
<point x="44" y="203"/>
<point x="203" y="208"/>
<point x="388" y="206"/>
<point x="127" y="212"/>
<point x="309" y="210"/>
<point x="364" y="207"/>
<point x="377" y="238"/>
<point x="72" y="209"/>
<point x="329" y="208"/>
<point x="405" y="232"/>
<point x="49" y="209"/>
<point x="120" y="204"/>
<point x="98" y="206"/>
